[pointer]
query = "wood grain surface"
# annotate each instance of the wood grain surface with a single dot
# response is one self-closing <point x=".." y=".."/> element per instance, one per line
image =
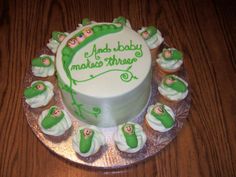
<point x="205" y="30"/>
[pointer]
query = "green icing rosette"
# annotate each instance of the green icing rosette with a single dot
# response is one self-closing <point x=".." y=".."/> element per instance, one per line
<point x="38" y="94"/>
<point x="88" y="140"/>
<point x="160" y="117"/>
<point x="173" y="87"/>
<point x="43" y="66"/>
<point x="54" y="121"/>
<point x="130" y="137"/>
<point x="122" y="20"/>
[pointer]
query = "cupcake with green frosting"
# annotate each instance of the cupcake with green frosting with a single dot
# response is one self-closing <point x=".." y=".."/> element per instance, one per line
<point x="54" y="121"/>
<point x="153" y="39"/>
<point x="43" y="66"/>
<point x="85" y="22"/>
<point x="173" y="88"/>
<point x="55" y="41"/>
<point x="88" y="140"/>
<point x="122" y="20"/>
<point x="170" y="60"/>
<point x="38" y="94"/>
<point x="130" y="137"/>
<point x="160" y="117"/>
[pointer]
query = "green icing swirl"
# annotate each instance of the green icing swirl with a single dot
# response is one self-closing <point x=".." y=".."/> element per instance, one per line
<point x="177" y="84"/>
<point x="85" y="142"/>
<point x="165" y="118"/>
<point x="50" y="120"/>
<point x="121" y="20"/>
<point x="32" y="91"/>
<point x="131" y="138"/>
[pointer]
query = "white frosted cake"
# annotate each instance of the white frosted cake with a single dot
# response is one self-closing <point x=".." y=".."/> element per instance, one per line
<point x="104" y="73"/>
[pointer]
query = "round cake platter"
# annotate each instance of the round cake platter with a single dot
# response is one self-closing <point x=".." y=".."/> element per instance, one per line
<point x="108" y="157"/>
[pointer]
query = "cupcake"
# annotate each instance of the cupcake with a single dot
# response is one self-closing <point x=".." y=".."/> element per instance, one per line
<point x="130" y="137"/>
<point x="55" y="41"/>
<point x="85" y="22"/>
<point x="122" y="20"/>
<point x="43" y="66"/>
<point x="153" y="38"/>
<point x="88" y="140"/>
<point x="173" y="88"/>
<point x="160" y="117"/>
<point x="38" y="94"/>
<point x="54" y="121"/>
<point x="170" y="60"/>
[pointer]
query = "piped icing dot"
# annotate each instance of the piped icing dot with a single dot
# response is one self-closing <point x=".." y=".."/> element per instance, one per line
<point x="130" y="137"/>
<point x="88" y="140"/>
<point x="54" y="121"/>
<point x="173" y="87"/>
<point x="39" y="93"/>
<point x="160" y="117"/>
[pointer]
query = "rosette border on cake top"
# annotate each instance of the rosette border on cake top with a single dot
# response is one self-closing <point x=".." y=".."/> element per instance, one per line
<point x="38" y="94"/>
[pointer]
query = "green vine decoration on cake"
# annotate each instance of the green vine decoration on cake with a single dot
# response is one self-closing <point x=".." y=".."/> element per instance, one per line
<point x="125" y="76"/>
<point x="69" y="51"/>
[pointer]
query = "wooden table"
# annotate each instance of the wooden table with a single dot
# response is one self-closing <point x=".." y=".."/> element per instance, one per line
<point x="204" y="30"/>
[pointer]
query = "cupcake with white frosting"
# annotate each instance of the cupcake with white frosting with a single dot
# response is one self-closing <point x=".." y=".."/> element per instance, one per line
<point x="54" y="121"/>
<point x="153" y="38"/>
<point x="170" y="60"/>
<point x="43" y="66"/>
<point x="130" y="137"/>
<point x="160" y="117"/>
<point x="88" y="140"/>
<point x="173" y="88"/>
<point x="122" y="20"/>
<point x="55" y="41"/>
<point x="38" y="94"/>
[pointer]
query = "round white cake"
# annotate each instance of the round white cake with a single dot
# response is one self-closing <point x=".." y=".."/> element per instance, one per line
<point x="104" y="73"/>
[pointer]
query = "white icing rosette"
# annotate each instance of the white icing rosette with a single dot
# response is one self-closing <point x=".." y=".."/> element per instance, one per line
<point x="172" y="94"/>
<point x="168" y="64"/>
<point x="120" y="139"/>
<point x="44" y="71"/>
<point x="97" y="141"/>
<point x="155" y="40"/>
<point x="42" y="99"/>
<point x="60" y="128"/>
<point x="156" y="124"/>
<point x="54" y="44"/>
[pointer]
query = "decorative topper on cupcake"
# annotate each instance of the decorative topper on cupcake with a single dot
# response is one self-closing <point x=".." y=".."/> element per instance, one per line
<point x="38" y="94"/>
<point x="152" y="36"/>
<point x="43" y="66"/>
<point x="130" y="137"/>
<point x="57" y="38"/>
<point x="160" y="117"/>
<point x="173" y="88"/>
<point x="170" y="60"/>
<point x="88" y="140"/>
<point x="54" y="121"/>
<point x="122" y="20"/>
